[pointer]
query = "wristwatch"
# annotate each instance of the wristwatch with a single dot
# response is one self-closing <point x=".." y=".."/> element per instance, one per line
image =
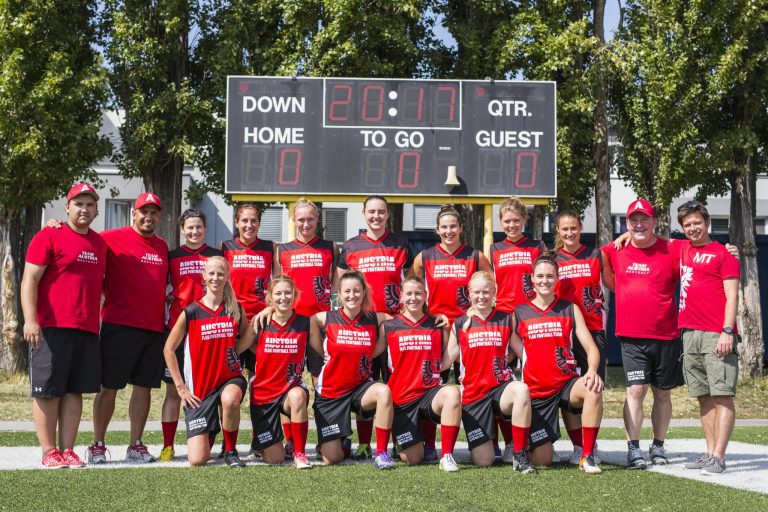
<point x="728" y="330"/>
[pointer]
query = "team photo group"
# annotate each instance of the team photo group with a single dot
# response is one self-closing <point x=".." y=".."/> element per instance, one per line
<point x="521" y="330"/>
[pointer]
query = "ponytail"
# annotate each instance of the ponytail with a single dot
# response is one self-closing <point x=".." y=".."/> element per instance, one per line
<point x="230" y="299"/>
<point x="559" y="244"/>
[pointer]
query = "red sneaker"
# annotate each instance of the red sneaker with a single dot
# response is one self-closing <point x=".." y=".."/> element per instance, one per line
<point x="54" y="460"/>
<point x="71" y="458"/>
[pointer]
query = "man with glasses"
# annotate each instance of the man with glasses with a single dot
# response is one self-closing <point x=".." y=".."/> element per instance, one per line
<point x="643" y="277"/>
<point x="709" y="286"/>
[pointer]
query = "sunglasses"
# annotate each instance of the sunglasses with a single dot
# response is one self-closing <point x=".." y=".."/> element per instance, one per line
<point x="689" y="205"/>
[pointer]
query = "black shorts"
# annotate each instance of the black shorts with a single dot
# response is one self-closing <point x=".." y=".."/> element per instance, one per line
<point x="314" y="361"/>
<point x="406" y="425"/>
<point x="130" y="356"/>
<point x="332" y="414"/>
<point x="545" y="417"/>
<point x="650" y="361"/>
<point x="479" y="418"/>
<point x="166" y="376"/>
<point x="65" y="361"/>
<point x="204" y="419"/>
<point x="267" y="429"/>
<point x="581" y="355"/>
<point x="248" y="361"/>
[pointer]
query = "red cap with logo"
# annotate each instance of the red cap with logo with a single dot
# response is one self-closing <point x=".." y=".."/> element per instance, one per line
<point x="641" y="206"/>
<point x="81" y="188"/>
<point x="147" y="198"/>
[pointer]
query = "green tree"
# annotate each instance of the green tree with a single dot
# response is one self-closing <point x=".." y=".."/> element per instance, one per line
<point x="52" y="90"/>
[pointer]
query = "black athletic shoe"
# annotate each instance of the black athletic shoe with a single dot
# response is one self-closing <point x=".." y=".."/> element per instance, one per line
<point x="232" y="459"/>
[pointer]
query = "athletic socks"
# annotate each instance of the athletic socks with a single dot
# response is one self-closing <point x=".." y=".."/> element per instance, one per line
<point x="169" y="432"/>
<point x="230" y="439"/>
<point x="299" y="433"/>
<point x="430" y="433"/>
<point x="658" y="443"/>
<point x="505" y="426"/>
<point x="520" y="437"/>
<point x="633" y="444"/>
<point x="448" y="436"/>
<point x="288" y="431"/>
<point x="364" y="431"/>
<point x="382" y="439"/>
<point x="590" y="436"/>
<point x="576" y="438"/>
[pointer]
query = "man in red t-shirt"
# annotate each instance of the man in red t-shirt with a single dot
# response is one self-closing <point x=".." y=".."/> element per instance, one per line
<point x="644" y="276"/>
<point x="709" y="297"/>
<point x="133" y="324"/>
<point x="60" y="298"/>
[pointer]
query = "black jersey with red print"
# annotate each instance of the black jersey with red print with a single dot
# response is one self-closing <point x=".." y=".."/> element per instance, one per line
<point x="349" y="345"/>
<point x="483" y="348"/>
<point x="579" y="282"/>
<point x="547" y="335"/>
<point x="512" y="265"/>
<point x="210" y="359"/>
<point x="309" y="265"/>
<point x="415" y="354"/>
<point x="185" y="275"/>
<point x="447" y="277"/>
<point x="250" y="270"/>
<point x="383" y="262"/>
<point x="280" y="353"/>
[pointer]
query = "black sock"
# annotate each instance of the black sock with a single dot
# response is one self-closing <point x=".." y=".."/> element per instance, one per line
<point x="634" y="444"/>
<point x="658" y="443"/>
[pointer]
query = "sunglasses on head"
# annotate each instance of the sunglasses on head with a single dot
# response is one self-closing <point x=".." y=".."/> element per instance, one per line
<point x="688" y="205"/>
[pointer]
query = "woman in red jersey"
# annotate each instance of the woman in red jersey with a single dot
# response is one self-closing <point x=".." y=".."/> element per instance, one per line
<point x="185" y="277"/>
<point x="544" y="328"/>
<point x="209" y="329"/>
<point x="481" y="340"/>
<point x="416" y="354"/>
<point x="345" y="383"/>
<point x="277" y="387"/>
<point x="513" y="257"/>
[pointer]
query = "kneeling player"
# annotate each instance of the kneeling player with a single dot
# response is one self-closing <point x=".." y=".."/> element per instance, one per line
<point x="212" y="378"/>
<point x="544" y="328"/>
<point x="489" y="390"/>
<point x="416" y="354"/>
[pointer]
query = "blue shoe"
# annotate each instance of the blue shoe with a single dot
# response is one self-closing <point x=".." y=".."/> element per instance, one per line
<point x="346" y="447"/>
<point x="383" y="461"/>
<point x="497" y="455"/>
<point x="430" y="454"/>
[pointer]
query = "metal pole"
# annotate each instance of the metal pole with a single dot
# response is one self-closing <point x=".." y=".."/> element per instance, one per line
<point x="487" y="228"/>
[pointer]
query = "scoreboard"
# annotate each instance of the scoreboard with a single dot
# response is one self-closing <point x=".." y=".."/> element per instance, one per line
<point x="346" y="136"/>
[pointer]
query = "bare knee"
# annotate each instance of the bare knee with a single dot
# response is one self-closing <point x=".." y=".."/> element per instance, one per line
<point x="275" y="454"/>
<point x="297" y="398"/>
<point x="636" y="392"/>
<point x="413" y="455"/>
<point x="542" y="455"/>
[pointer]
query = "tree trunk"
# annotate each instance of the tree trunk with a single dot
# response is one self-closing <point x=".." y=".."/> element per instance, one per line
<point x="742" y="233"/>
<point x="395" y="217"/>
<point x="600" y="145"/>
<point x="474" y="225"/>
<point x="537" y="222"/>
<point x="166" y="183"/>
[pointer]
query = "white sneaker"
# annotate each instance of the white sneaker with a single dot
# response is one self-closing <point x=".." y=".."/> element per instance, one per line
<point x="139" y="453"/>
<point x="509" y="454"/>
<point x="96" y="453"/>
<point x="589" y="465"/>
<point x="448" y="464"/>
<point x="576" y="456"/>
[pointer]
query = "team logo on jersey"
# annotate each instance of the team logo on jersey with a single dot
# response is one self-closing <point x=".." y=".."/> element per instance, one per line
<point x="593" y="300"/>
<point x="293" y="374"/>
<point x="392" y="297"/>
<point x="365" y="368"/>
<point x="564" y="361"/>
<point x="320" y="287"/>
<point x="429" y="369"/>
<point x="462" y="298"/>
<point x="500" y="370"/>
<point x="259" y="289"/>
<point x="233" y="362"/>
<point x="528" y="289"/>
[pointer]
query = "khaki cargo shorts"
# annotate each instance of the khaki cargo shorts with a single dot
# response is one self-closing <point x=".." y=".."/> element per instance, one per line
<point x="705" y="372"/>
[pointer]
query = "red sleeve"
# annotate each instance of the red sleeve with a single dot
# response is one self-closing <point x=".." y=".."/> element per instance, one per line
<point x="730" y="268"/>
<point x="40" y="248"/>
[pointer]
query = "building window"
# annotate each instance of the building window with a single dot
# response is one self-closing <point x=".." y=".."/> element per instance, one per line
<point x="620" y="224"/>
<point x="271" y="227"/>
<point x="424" y="216"/>
<point x="118" y="214"/>
<point x="335" y="224"/>
<point x="719" y="226"/>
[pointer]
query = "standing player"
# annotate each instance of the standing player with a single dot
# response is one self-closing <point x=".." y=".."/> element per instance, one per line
<point x="417" y="351"/>
<point x="345" y="383"/>
<point x="185" y="278"/>
<point x="709" y="286"/>
<point x="383" y="258"/>
<point x="60" y="298"/>
<point x="488" y="388"/>
<point x="643" y="276"/>
<point x="277" y="387"/>
<point x="544" y="328"/>
<point x="211" y="331"/>
<point x="133" y="324"/>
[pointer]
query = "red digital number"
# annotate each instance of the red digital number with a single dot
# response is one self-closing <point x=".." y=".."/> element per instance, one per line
<point x="401" y="168"/>
<point x="534" y="158"/>
<point x="379" y="103"/>
<point x="296" y="170"/>
<point x="343" y="103"/>
<point x="451" y="101"/>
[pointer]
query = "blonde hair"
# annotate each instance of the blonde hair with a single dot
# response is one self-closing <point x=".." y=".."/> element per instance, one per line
<point x="303" y="202"/>
<point x="419" y="281"/>
<point x="513" y="204"/>
<point x="281" y="278"/>
<point x="367" y="305"/>
<point x="479" y="276"/>
<point x="559" y="244"/>
<point x="230" y="299"/>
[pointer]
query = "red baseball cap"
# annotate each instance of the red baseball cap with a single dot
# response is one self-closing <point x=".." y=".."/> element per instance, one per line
<point x="82" y="188"/>
<point x="147" y="198"/>
<point x="641" y="206"/>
